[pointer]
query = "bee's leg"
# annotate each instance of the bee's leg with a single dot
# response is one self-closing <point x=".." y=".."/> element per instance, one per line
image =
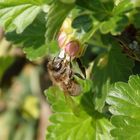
<point x="78" y="75"/>
<point x="70" y="65"/>
<point x="82" y="68"/>
<point x="71" y="74"/>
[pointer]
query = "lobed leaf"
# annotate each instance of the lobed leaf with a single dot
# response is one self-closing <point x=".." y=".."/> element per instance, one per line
<point x="109" y="67"/>
<point x="82" y="22"/>
<point x="123" y="6"/>
<point x="17" y="15"/>
<point x="113" y="18"/>
<point x="118" y="23"/>
<point x="78" y="123"/>
<point x="118" y="18"/>
<point x="32" y="39"/>
<point x="124" y="99"/>
<point x="97" y="6"/>
<point x="56" y="15"/>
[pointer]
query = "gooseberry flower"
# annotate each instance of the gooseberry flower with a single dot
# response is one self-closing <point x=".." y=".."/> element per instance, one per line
<point x="72" y="48"/>
<point x="68" y="41"/>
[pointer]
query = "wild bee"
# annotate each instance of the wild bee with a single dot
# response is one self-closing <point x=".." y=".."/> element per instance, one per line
<point x="62" y="75"/>
<point x="61" y="70"/>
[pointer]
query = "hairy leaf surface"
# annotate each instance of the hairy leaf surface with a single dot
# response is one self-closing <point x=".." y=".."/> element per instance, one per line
<point x="109" y="68"/>
<point x="74" y="121"/>
<point x="17" y="15"/>
<point x="32" y="39"/>
<point x="124" y="99"/>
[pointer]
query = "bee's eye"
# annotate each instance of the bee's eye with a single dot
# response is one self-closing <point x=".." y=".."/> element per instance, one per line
<point x="57" y="64"/>
<point x="57" y="67"/>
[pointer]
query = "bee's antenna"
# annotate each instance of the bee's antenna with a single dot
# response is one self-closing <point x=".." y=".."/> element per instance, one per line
<point x="78" y="75"/>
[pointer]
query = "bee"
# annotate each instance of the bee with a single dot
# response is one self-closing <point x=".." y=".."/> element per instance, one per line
<point x="60" y="68"/>
<point x="61" y="74"/>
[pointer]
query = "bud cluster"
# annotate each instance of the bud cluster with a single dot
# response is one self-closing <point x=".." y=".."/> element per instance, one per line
<point x="68" y="41"/>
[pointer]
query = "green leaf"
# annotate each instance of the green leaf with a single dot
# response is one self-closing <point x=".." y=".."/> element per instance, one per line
<point x="84" y="124"/>
<point x="33" y="52"/>
<point x="101" y="40"/>
<point x="68" y="1"/>
<point x="118" y="19"/>
<point x="124" y="6"/>
<point x="109" y="67"/>
<point x="124" y="99"/>
<point x="114" y="25"/>
<point x="135" y="17"/>
<point x="32" y="39"/>
<point x="5" y="62"/>
<point x="98" y="7"/>
<point x="17" y="15"/>
<point x="56" y="15"/>
<point x="83" y="22"/>
<point x="113" y="18"/>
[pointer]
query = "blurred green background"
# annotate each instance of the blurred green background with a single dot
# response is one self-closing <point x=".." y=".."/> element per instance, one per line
<point x="24" y="111"/>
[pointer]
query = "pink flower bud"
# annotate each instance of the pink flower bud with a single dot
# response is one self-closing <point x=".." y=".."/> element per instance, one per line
<point x="72" y="48"/>
<point x="61" y="39"/>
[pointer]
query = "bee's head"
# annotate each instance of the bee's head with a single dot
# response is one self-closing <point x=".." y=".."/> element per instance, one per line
<point x="55" y="64"/>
